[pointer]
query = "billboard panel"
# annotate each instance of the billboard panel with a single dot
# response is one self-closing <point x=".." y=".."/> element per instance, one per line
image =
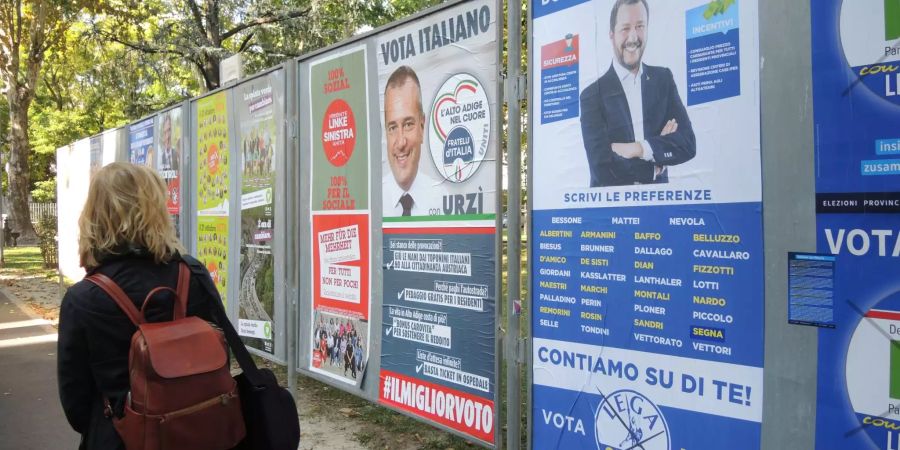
<point x="340" y="215"/>
<point x="140" y="143"/>
<point x="170" y="149"/>
<point x="212" y="156"/>
<point x="96" y="154"/>
<point x="260" y="113"/>
<point x="647" y="257"/>
<point x="437" y="86"/>
<point x="856" y="110"/>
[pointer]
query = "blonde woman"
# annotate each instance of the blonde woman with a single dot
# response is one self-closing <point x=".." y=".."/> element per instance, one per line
<point x="127" y="235"/>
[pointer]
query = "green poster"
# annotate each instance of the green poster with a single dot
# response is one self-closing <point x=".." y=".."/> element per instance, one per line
<point x="212" y="250"/>
<point x="212" y="187"/>
<point x="212" y="155"/>
<point x="340" y="138"/>
<point x="258" y="107"/>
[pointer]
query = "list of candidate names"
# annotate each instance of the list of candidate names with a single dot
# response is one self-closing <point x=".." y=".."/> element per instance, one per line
<point x="672" y="280"/>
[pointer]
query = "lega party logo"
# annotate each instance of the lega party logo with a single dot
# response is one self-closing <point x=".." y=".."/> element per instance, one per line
<point x="870" y="37"/>
<point x="627" y="420"/>
<point x="460" y="127"/>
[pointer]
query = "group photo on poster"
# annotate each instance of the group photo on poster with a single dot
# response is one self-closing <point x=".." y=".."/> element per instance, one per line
<point x="438" y="86"/>
<point x="340" y="214"/>
<point x="259" y="110"/>
<point x="646" y="236"/>
<point x="339" y="344"/>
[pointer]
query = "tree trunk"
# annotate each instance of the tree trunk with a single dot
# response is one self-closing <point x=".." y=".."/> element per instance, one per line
<point x="19" y="173"/>
<point x="210" y="69"/>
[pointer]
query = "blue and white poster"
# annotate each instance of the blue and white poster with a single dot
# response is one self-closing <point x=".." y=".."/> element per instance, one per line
<point x="856" y="70"/>
<point x="439" y="108"/>
<point x="647" y="257"/>
<point x="140" y="143"/>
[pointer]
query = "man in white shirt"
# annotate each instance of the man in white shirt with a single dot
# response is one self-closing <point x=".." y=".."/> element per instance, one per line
<point x="411" y="193"/>
<point x="633" y="122"/>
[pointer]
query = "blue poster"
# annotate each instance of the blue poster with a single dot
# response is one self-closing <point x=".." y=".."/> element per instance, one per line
<point x="140" y="143"/>
<point x="646" y="237"/>
<point x="441" y="129"/>
<point x="856" y="63"/>
<point x="96" y="156"/>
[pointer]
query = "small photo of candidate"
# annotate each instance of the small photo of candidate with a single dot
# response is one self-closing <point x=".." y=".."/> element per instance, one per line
<point x="633" y="122"/>
<point x="407" y="190"/>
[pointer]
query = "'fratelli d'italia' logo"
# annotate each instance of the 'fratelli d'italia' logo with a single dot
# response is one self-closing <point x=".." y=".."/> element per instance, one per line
<point x="459" y="127"/>
<point x="627" y="420"/>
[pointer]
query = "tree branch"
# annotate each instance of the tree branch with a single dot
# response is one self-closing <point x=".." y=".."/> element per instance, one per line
<point x="263" y="20"/>
<point x="197" y="15"/>
<point x="141" y="47"/>
<point x="18" y="24"/>
<point x="245" y="42"/>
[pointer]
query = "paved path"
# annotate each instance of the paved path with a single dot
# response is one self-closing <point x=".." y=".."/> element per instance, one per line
<point x="30" y="414"/>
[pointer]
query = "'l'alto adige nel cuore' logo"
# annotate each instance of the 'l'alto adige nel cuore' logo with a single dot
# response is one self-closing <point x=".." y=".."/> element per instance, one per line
<point x="459" y="127"/>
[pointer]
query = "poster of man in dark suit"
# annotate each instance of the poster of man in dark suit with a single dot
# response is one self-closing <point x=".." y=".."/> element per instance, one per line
<point x="633" y="122"/>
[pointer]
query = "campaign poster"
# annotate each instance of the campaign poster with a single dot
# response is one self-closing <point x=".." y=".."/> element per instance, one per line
<point x="169" y="149"/>
<point x="856" y="76"/>
<point x="260" y="110"/>
<point x="647" y="257"/>
<point x="212" y="249"/>
<point x="212" y="186"/>
<point x="437" y="85"/>
<point x="341" y="296"/>
<point x="341" y="229"/>
<point x="140" y="143"/>
<point x="96" y="154"/>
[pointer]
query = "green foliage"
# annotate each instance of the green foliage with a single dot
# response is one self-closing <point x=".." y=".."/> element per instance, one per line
<point x="46" y="233"/>
<point x="265" y="287"/>
<point x="121" y="60"/>
<point x="23" y="260"/>
<point x="44" y="191"/>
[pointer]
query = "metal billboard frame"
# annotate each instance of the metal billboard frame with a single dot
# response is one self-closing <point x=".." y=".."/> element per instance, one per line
<point x="368" y="390"/>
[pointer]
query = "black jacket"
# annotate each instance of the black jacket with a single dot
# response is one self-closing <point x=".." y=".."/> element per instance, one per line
<point x="95" y="337"/>
<point x="606" y="119"/>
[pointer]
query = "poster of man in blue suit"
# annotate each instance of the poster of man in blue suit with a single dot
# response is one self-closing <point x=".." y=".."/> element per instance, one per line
<point x="633" y="121"/>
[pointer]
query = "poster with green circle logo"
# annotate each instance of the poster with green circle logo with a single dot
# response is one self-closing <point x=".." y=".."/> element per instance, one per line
<point x="259" y="108"/>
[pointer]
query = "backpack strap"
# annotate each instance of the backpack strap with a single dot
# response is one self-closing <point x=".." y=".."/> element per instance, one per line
<point x="179" y="307"/>
<point x="181" y="290"/>
<point x="251" y="372"/>
<point x="118" y="295"/>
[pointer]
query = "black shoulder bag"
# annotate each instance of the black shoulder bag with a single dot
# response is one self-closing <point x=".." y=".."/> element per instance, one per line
<point x="270" y="414"/>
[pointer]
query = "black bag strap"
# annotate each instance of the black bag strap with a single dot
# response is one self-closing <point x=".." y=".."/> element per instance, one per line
<point x="251" y="372"/>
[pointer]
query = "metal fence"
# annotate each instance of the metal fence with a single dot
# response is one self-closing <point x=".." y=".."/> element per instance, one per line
<point x="39" y="210"/>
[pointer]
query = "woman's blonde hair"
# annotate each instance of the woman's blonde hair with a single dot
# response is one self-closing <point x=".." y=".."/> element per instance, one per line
<point x="126" y="207"/>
